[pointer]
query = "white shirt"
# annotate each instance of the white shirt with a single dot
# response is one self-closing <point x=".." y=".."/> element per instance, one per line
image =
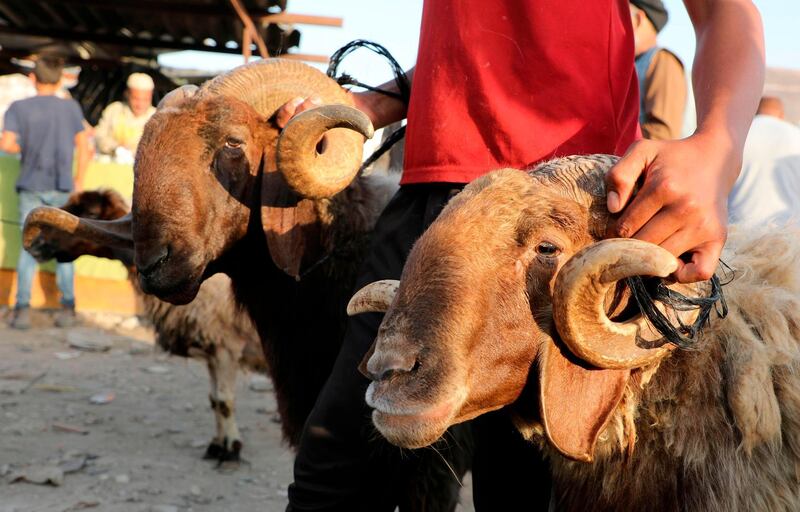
<point x="768" y="188"/>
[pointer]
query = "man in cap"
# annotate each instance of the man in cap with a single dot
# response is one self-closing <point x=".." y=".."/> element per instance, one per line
<point x="121" y="124"/>
<point x="662" y="83"/>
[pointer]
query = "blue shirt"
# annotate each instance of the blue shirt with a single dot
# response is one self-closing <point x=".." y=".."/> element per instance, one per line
<point x="46" y="127"/>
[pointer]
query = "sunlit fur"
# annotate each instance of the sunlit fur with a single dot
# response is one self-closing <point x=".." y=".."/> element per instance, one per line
<point x="715" y="428"/>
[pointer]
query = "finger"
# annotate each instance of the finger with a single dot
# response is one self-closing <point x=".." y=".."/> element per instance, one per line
<point x="287" y="111"/>
<point x="642" y="209"/>
<point x="702" y="265"/>
<point x="621" y="179"/>
<point x="680" y="243"/>
<point x="660" y="227"/>
<point x="312" y="102"/>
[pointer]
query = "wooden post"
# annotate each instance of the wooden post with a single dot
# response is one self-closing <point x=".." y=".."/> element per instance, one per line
<point x="250" y="27"/>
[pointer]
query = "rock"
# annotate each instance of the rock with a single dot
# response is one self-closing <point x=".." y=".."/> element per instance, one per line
<point x="103" y="398"/>
<point x="195" y="490"/>
<point x="4" y="470"/>
<point x="260" y="383"/>
<point x="157" y="369"/>
<point x="73" y="463"/>
<point x="164" y="508"/>
<point x="66" y="356"/>
<point x="139" y="349"/>
<point x="130" y="323"/>
<point x="88" y="340"/>
<point x="42" y="475"/>
<point x="122" y="479"/>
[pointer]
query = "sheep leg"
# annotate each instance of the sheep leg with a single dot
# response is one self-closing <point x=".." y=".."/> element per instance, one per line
<point x="222" y="370"/>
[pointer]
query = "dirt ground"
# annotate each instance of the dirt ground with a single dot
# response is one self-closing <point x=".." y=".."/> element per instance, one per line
<point x="124" y="429"/>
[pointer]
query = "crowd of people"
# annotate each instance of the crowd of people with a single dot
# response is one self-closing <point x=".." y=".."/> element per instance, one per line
<point x="50" y="133"/>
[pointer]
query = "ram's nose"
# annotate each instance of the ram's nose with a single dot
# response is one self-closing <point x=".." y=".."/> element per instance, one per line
<point x="385" y="365"/>
<point x="149" y="257"/>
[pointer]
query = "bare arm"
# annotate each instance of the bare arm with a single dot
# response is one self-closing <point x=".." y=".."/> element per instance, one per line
<point x="382" y="110"/>
<point x="681" y="204"/>
<point x="83" y="155"/>
<point x="8" y="142"/>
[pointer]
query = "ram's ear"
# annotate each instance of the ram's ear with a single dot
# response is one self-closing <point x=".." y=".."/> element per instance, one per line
<point x="576" y="401"/>
<point x="291" y="225"/>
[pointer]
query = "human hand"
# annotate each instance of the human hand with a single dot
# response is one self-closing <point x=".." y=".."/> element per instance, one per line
<point x="681" y="203"/>
<point x="293" y="107"/>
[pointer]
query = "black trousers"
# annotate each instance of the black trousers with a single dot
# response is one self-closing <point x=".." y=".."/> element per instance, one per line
<point x="343" y="463"/>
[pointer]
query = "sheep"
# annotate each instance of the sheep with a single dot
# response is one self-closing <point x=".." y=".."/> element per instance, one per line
<point x="513" y="299"/>
<point x="211" y="328"/>
<point x="218" y="188"/>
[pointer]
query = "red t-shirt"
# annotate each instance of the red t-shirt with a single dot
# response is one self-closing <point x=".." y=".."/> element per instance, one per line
<point x="508" y="83"/>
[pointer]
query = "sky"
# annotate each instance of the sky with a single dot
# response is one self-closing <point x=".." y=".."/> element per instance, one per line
<point x="395" y="24"/>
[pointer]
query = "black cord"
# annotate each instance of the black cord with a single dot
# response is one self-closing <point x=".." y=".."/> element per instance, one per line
<point x="400" y="77"/>
<point x="646" y="291"/>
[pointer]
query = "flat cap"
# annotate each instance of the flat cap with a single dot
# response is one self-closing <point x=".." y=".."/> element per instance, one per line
<point x="655" y="12"/>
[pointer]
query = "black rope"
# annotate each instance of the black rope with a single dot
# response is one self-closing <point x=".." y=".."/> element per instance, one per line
<point x="385" y="146"/>
<point x="646" y="291"/>
<point x="400" y="77"/>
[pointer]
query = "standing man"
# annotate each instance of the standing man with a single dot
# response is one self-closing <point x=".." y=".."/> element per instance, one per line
<point x="121" y="124"/>
<point x="662" y="82"/>
<point x="511" y="83"/>
<point x="768" y="188"/>
<point x="45" y="129"/>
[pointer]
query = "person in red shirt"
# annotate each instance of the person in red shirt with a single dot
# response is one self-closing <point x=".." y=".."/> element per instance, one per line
<point x="511" y="83"/>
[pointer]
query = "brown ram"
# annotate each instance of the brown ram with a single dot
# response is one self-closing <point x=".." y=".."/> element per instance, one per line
<point x="505" y="301"/>
<point x="220" y="189"/>
<point x="211" y="328"/>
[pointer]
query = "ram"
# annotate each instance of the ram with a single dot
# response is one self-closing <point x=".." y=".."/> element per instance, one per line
<point x="210" y="328"/>
<point x="219" y="188"/>
<point x="513" y="299"/>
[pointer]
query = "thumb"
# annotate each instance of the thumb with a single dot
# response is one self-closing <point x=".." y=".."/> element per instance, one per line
<point x="621" y="179"/>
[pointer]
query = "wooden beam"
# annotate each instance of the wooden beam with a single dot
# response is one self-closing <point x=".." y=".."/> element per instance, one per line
<point x="300" y="19"/>
<point x="72" y="35"/>
<point x="324" y="59"/>
<point x="250" y="27"/>
<point x="164" y="6"/>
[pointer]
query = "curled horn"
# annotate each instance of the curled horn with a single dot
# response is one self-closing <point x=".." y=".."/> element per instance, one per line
<point x="268" y="84"/>
<point x="46" y="219"/>
<point x="176" y="96"/>
<point x="319" y="173"/>
<point x="374" y="298"/>
<point x="579" y="303"/>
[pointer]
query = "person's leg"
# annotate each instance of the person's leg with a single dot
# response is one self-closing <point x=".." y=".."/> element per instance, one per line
<point x="342" y="463"/>
<point x="65" y="272"/>
<point x="26" y="265"/>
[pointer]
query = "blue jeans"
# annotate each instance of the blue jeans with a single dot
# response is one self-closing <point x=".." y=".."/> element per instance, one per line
<point x="27" y="264"/>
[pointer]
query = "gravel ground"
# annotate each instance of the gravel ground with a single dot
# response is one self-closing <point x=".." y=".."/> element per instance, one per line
<point x="140" y="447"/>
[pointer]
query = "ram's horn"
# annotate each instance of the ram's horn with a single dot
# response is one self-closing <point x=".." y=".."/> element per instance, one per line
<point x="176" y="96"/>
<point x="267" y="85"/>
<point x="373" y="298"/>
<point x="579" y="308"/>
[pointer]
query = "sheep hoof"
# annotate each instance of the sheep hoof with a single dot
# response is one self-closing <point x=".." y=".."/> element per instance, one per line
<point x="223" y="451"/>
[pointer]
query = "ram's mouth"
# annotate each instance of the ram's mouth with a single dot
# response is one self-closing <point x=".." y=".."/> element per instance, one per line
<point x="173" y="286"/>
<point x="410" y="425"/>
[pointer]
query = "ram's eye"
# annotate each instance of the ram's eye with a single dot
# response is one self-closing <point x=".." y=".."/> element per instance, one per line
<point x="232" y="143"/>
<point x="547" y="249"/>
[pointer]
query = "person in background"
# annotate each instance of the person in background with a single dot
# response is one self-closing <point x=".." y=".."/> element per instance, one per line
<point x="121" y="124"/>
<point x="768" y="188"/>
<point x="662" y="82"/>
<point x="46" y="130"/>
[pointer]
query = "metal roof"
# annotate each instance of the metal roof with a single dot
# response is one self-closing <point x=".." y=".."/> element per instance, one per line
<point x="140" y="28"/>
